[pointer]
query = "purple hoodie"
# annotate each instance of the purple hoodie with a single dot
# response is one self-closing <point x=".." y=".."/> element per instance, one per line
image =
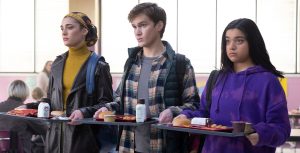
<point x="254" y="95"/>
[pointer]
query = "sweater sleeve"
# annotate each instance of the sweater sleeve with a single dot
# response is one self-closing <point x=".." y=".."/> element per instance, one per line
<point x="115" y="105"/>
<point x="276" y="129"/>
<point x="200" y="112"/>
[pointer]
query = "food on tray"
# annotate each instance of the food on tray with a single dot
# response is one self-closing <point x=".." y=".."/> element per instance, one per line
<point x="181" y="122"/>
<point x="218" y="126"/>
<point x="23" y="112"/>
<point x="127" y="117"/>
<point x="101" y="114"/>
<point x="295" y="111"/>
<point x="109" y="118"/>
<point x="57" y="113"/>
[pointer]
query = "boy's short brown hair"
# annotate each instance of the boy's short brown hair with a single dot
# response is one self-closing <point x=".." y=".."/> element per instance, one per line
<point x="153" y="11"/>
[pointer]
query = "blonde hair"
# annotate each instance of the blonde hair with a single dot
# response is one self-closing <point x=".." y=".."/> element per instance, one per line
<point x="37" y="93"/>
<point x="19" y="89"/>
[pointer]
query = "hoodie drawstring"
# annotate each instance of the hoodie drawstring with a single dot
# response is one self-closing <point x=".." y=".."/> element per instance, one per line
<point x="242" y="96"/>
<point x="218" y="101"/>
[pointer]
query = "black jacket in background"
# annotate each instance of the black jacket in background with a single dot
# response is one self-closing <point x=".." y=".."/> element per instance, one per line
<point x="22" y="127"/>
<point x="10" y="104"/>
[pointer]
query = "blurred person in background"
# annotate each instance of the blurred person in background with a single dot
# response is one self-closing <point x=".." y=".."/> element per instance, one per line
<point x="37" y="94"/>
<point x="18" y="92"/>
<point x="38" y="140"/>
<point x="43" y="77"/>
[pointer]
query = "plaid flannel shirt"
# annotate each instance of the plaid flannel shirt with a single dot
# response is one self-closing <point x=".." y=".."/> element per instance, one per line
<point x="160" y="69"/>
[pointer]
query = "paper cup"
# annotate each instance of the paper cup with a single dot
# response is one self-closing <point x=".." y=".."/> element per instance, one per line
<point x="238" y="126"/>
<point x="248" y="128"/>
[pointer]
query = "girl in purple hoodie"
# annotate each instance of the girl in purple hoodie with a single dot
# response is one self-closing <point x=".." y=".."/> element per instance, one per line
<point x="247" y="89"/>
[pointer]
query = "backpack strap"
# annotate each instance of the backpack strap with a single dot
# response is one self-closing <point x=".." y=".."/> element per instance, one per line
<point x="210" y="85"/>
<point x="180" y="70"/>
<point x="90" y="74"/>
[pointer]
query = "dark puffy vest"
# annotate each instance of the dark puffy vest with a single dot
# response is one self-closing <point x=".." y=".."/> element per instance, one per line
<point x="172" y="95"/>
<point x="172" y="90"/>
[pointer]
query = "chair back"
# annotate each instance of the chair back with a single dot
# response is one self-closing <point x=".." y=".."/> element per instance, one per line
<point x="4" y="141"/>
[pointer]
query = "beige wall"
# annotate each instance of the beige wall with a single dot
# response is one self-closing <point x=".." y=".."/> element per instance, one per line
<point x="91" y="9"/>
<point x="85" y="6"/>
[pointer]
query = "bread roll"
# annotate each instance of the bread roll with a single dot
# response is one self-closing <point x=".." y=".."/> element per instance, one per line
<point x="181" y="122"/>
<point x="57" y="113"/>
<point x="101" y="114"/>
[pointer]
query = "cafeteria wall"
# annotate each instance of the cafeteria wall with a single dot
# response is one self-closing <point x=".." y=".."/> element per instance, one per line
<point x="260" y="12"/>
<point x="292" y="86"/>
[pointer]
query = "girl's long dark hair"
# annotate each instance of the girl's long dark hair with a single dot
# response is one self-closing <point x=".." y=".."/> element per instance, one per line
<point x="257" y="48"/>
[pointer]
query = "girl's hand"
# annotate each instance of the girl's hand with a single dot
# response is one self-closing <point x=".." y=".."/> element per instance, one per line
<point x="253" y="138"/>
<point x="76" y="115"/>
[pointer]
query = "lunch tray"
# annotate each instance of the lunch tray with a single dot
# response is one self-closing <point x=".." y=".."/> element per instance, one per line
<point x="227" y="132"/>
<point x="117" y="122"/>
<point x="31" y="118"/>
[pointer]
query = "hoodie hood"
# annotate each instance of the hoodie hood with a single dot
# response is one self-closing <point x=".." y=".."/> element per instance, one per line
<point x="251" y="70"/>
<point x="235" y="84"/>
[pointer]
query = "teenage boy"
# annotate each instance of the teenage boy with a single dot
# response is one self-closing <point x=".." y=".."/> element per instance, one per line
<point x="151" y="73"/>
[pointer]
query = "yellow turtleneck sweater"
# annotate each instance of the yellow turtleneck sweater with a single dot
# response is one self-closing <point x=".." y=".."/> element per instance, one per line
<point x="75" y="59"/>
